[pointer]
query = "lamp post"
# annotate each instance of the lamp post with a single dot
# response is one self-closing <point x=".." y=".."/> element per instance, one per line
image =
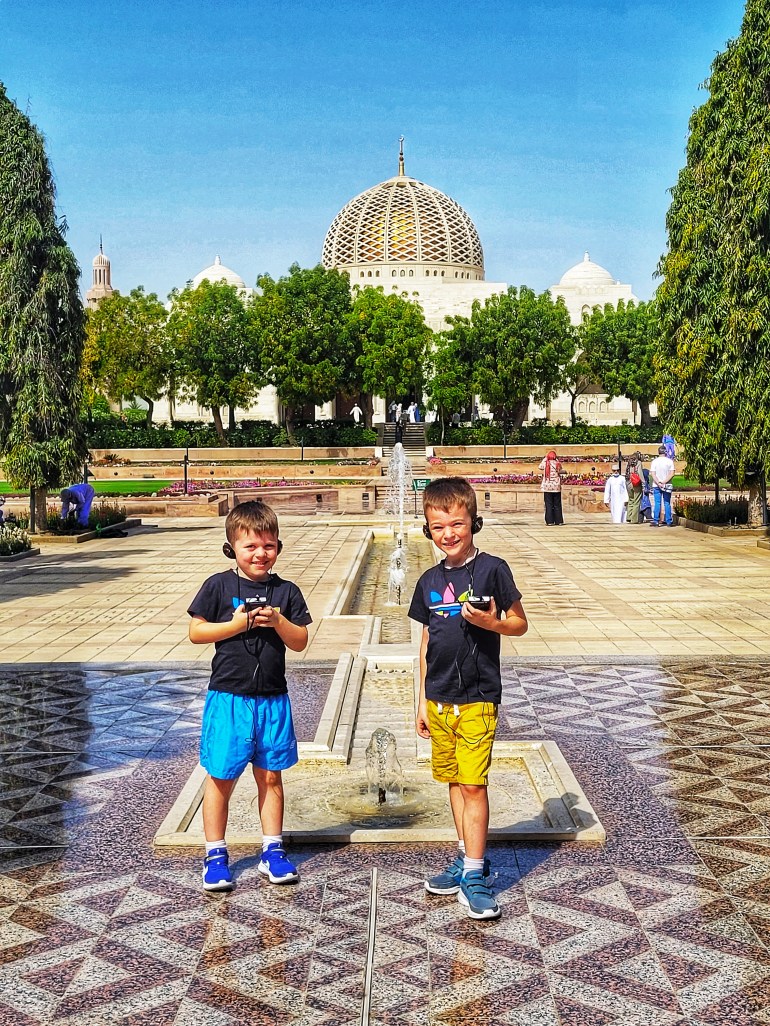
<point x="185" y="462"/>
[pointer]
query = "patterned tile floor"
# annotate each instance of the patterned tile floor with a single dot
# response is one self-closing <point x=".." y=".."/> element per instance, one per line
<point x="668" y="922"/>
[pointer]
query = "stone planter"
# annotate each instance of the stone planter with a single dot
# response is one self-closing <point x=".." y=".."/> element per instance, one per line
<point x="723" y="530"/>
<point x="84" y="536"/>
<point x="20" y="555"/>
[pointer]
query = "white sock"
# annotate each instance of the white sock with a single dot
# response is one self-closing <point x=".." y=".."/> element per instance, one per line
<point x="470" y="864"/>
<point x="461" y="846"/>
<point x="210" y="845"/>
<point x="271" y="839"/>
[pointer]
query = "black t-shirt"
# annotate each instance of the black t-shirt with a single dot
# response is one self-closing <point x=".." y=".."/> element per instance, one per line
<point x="463" y="661"/>
<point x="254" y="661"/>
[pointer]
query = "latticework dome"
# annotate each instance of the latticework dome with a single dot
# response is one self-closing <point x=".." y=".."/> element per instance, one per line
<point x="400" y="227"/>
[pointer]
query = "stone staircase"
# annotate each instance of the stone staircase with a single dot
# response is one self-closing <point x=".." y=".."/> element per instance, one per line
<point x="413" y="442"/>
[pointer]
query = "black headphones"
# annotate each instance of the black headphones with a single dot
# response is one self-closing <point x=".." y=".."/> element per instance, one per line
<point x="229" y="551"/>
<point x="476" y="524"/>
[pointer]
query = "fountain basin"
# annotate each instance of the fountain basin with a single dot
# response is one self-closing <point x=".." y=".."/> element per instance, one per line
<point x="533" y="795"/>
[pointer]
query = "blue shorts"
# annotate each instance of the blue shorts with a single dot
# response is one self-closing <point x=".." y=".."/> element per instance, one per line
<point x="238" y="730"/>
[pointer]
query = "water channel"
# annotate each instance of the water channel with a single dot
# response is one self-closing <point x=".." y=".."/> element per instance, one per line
<point x="371" y="596"/>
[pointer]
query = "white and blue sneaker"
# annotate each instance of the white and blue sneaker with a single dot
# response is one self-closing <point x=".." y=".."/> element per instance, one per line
<point x="476" y="895"/>
<point x="448" y="882"/>
<point x="275" y="865"/>
<point x="216" y="872"/>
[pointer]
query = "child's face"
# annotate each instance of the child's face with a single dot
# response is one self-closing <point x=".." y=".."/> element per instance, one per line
<point x="451" y="532"/>
<point x="255" y="553"/>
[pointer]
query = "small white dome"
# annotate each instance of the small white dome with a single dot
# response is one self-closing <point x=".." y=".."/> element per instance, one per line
<point x="218" y="272"/>
<point x="587" y="273"/>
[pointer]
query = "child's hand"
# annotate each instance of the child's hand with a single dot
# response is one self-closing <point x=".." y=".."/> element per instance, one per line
<point x="422" y="720"/>
<point x="484" y="618"/>
<point x="265" y="616"/>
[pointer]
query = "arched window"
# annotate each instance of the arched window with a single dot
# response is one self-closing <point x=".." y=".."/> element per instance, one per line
<point x="368" y="274"/>
<point x="393" y="273"/>
<point x="411" y="273"/>
<point x="403" y="274"/>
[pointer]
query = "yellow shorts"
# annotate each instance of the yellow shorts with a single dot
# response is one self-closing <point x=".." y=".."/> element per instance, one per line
<point x="461" y="741"/>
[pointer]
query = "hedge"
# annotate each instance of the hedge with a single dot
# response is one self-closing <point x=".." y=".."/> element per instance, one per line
<point x="543" y="434"/>
<point x="707" y="511"/>
<point x="252" y="434"/>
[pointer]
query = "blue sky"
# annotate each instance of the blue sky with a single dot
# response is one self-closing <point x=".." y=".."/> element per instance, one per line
<point x="181" y="129"/>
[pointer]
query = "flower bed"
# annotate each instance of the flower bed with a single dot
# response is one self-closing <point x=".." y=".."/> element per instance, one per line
<point x="588" y="480"/>
<point x="707" y="511"/>
<point x="13" y="539"/>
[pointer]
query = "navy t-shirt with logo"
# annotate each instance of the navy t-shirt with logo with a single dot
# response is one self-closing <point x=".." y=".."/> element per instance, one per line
<point x="463" y="661"/>
<point x="254" y="661"/>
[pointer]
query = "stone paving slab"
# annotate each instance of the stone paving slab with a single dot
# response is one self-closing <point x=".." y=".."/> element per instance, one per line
<point x="667" y="922"/>
<point x="590" y="588"/>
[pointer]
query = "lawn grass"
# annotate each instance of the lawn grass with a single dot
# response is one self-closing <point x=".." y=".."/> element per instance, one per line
<point x="136" y="487"/>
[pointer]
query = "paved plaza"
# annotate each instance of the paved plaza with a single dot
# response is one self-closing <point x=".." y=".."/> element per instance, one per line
<point x="646" y="661"/>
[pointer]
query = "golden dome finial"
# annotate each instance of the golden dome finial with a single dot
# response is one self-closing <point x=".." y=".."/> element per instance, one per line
<point x="401" y="171"/>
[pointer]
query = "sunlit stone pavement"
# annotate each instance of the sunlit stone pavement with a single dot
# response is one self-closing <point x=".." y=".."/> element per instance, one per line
<point x="646" y="662"/>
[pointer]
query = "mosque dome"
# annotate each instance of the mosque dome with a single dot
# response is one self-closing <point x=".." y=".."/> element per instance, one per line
<point x="587" y="274"/>
<point x="218" y="272"/>
<point x="403" y="226"/>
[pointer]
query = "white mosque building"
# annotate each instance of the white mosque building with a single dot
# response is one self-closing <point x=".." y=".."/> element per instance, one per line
<point x="408" y="237"/>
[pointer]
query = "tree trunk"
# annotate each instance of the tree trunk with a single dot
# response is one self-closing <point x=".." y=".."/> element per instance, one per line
<point x="518" y="414"/>
<point x="216" y="413"/>
<point x="368" y="400"/>
<point x="756" y="513"/>
<point x="290" y="425"/>
<point x="644" y="409"/>
<point x="231" y="425"/>
<point x="572" y="416"/>
<point x="41" y="510"/>
<point x="150" y="411"/>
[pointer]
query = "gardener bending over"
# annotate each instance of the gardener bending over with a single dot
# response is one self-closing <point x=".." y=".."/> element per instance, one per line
<point x="77" y="499"/>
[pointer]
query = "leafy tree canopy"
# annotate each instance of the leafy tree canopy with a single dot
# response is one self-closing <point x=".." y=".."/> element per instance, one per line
<point x="301" y="335"/>
<point x="127" y="352"/>
<point x="210" y="336"/>
<point x="715" y="297"/>
<point x="391" y="339"/>
<point x="618" y="345"/>
<point x="41" y="317"/>
<point x="521" y="344"/>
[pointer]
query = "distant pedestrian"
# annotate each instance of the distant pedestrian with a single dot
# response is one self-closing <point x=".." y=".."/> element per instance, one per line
<point x="634" y="487"/>
<point x="399" y="408"/>
<point x="357" y="413"/>
<point x="410" y="412"/>
<point x="392" y="411"/>
<point x="416" y="414"/>
<point x="616" y="495"/>
<point x="662" y="474"/>
<point x="645" y="508"/>
<point x="551" y="488"/>
<point x="77" y="499"/>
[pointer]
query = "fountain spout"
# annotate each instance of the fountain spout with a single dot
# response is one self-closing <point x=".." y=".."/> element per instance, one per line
<point x="383" y="770"/>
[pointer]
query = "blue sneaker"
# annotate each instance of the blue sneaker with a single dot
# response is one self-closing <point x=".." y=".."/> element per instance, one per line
<point x="476" y="894"/>
<point x="276" y="867"/>
<point x="448" y="882"/>
<point x="216" y="874"/>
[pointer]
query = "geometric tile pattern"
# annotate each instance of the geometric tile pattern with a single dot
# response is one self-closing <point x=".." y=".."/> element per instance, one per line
<point x="402" y="220"/>
<point x="667" y="922"/>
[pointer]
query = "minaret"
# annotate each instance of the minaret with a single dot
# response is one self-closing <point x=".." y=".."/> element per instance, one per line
<point x="101" y="286"/>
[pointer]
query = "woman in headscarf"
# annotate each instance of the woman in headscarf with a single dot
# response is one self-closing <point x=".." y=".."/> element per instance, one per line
<point x="551" y="487"/>
<point x="634" y="487"/>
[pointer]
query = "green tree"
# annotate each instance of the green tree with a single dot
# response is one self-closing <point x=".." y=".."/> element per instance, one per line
<point x="127" y="352"/>
<point x="522" y="344"/>
<point x="449" y="370"/>
<point x="618" y="346"/>
<point x="714" y="357"/>
<point x="301" y="336"/>
<point x="391" y="339"/>
<point x="41" y="319"/>
<point x="210" y="337"/>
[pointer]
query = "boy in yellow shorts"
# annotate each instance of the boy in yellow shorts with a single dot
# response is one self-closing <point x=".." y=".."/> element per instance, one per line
<point x="464" y="603"/>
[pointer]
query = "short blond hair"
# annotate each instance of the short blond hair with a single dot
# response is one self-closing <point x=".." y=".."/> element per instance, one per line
<point x="254" y="516"/>
<point x="446" y="492"/>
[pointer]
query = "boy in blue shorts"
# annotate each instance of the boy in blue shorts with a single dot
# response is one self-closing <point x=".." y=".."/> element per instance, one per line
<point x="252" y="615"/>
<point x="464" y="603"/>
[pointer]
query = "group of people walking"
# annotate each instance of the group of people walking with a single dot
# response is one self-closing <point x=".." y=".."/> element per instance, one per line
<point x="637" y="496"/>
